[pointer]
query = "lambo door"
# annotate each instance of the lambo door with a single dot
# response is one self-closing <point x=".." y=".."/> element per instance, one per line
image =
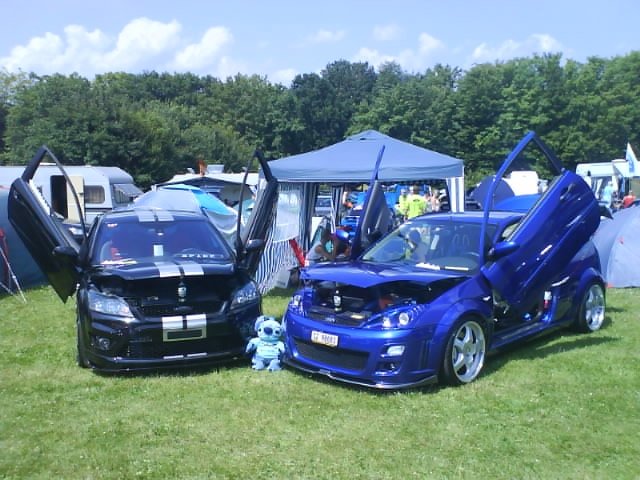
<point x="42" y="231"/>
<point x="533" y="255"/>
<point x="251" y="241"/>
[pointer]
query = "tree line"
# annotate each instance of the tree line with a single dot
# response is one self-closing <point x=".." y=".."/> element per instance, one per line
<point x="154" y="125"/>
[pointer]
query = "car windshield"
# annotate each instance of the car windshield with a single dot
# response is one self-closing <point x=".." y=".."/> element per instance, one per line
<point x="129" y="241"/>
<point x="432" y="244"/>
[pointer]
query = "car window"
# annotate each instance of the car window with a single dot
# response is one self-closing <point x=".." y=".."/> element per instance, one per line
<point x="129" y="241"/>
<point x="432" y="245"/>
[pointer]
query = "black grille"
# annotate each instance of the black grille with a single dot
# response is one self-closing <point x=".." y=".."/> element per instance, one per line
<point x="159" y="350"/>
<point x="348" y="359"/>
<point x="328" y="315"/>
<point x="181" y="309"/>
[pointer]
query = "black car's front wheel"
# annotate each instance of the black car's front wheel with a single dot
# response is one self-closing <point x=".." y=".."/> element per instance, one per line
<point x="465" y="353"/>
<point x="592" y="308"/>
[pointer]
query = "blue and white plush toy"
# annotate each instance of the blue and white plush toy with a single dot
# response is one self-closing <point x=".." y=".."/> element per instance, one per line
<point x="267" y="346"/>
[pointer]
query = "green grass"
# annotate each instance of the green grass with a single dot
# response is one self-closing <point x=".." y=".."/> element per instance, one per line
<point x="566" y="406"/>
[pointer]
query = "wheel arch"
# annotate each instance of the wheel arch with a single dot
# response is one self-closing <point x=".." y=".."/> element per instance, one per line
<point x="467" y="309"/>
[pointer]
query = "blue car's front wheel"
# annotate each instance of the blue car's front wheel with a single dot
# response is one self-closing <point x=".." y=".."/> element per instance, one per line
<point x="465" y="353"/>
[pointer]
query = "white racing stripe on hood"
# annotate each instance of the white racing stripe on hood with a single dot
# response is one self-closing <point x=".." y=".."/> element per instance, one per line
<point x="166" y="269"/>
<point x="191" y="269"/>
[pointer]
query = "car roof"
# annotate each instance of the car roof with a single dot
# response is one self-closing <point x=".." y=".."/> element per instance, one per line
<point x="475" y="216"/>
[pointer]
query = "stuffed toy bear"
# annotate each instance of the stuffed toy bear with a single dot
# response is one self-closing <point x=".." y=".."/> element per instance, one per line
<point x="267" y="346"/>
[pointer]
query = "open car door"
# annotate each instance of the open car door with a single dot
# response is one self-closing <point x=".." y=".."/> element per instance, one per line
<point x="251" y="241"/>
<point x="42" y="231"/>
<point x="376" y="219"/>
<point x="556" y="227"/>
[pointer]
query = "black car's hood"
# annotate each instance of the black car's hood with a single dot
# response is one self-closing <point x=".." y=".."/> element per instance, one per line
<point x="366" y="274"/>
<point x="164" y="269"/>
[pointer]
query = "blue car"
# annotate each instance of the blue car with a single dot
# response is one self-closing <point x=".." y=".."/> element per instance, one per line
<point x="429" y="300"/>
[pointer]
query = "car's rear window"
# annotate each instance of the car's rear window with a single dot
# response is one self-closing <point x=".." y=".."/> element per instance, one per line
<point x="132" y="241"/>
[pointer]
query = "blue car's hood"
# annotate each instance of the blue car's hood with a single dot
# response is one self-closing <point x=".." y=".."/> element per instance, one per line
<point x="366" y="274"/>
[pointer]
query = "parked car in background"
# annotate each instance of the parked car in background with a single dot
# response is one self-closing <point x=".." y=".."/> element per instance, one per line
<point x="431" y="299"/>
<point x="154" y="287"/>
<point x="323" y="206"/>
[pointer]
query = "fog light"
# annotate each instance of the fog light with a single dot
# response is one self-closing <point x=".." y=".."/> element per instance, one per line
<point x="395" y="350"/>
<point x="103" y="343"/>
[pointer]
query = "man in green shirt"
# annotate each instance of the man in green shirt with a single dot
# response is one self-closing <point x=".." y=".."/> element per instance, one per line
<point x="415" y="204"/>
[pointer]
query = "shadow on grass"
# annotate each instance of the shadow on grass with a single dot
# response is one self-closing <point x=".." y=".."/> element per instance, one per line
<point x="180" y="371"/>
<point x="541" y="347"/>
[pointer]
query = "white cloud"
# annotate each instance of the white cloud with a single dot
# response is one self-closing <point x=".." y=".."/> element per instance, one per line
<point x="384" y="33"/>
<point x="284" y="76"/>
<point x="411" y="59"/>
<point x="535" y="43"/>
<point x="38" y="51"/>
<point x="428" y="44"/>
<point x="140" y="39"/>
<point x="142" y="44"/>
<point x="227" y="67"/>
<point x="199" y="55"/>
<point x="326" y="36"/>
<point x="373" y="57"/>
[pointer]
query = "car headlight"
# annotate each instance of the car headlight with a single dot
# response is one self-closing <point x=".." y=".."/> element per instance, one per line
<point x="248" y="293"/>
<point x="395" y="319"/>
<point x="108" y="304"/>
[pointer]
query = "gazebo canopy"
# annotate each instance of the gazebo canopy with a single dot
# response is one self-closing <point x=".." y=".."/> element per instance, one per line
<point x="353" y="159"/>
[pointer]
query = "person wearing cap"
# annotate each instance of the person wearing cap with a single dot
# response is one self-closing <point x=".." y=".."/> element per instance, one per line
<point x="323" y="250"/>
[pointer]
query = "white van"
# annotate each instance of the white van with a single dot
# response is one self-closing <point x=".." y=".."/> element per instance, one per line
<point x="100" y="188"/>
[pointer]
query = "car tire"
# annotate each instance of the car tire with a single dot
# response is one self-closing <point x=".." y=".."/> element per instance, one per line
<point x="81" y="357"/>
<point x="592" y="309"/>
<point x="465" y="353"/>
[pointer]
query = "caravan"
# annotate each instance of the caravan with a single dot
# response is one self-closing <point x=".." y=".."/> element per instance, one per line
<point x="100" y="189"/>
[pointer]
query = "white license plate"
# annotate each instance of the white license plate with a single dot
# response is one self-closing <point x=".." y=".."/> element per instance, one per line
<point x="324" y="338"/>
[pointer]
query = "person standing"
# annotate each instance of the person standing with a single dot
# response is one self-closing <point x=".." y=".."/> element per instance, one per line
<point x="607" y="195"/>
<point x="415" y="204"/>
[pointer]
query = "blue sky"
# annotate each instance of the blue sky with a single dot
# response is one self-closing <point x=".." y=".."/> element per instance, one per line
<point x="279" y="39"/>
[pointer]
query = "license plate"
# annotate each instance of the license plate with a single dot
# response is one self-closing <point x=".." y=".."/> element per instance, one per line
<point x="324" y="338"/>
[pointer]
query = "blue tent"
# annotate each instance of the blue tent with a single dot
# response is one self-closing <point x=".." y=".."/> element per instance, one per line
<point x="15" y="258"/>
<point x="618" y="244"/>
<point x="353" y="159"/>
<point x="188" y="197"/>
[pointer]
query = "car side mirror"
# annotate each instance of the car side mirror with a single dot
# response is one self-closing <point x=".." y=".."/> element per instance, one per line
<point x="254" y="244"/>
<point x="502" y="249"/>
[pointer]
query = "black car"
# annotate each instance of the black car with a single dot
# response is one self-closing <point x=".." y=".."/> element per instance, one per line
<point x="155" y="287"/>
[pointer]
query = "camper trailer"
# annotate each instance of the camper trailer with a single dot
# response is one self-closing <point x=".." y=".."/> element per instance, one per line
<point x="100" y="189"/>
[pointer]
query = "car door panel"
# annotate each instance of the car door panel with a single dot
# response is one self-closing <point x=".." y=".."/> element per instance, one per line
<point x="260" y="223"/>
<point x="548" y="237"/>
<point x="42" y="232"/>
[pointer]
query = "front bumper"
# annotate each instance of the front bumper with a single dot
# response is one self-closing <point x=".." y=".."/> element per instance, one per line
<point x="362" y="356"/>
<point x="112" y="345"/>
